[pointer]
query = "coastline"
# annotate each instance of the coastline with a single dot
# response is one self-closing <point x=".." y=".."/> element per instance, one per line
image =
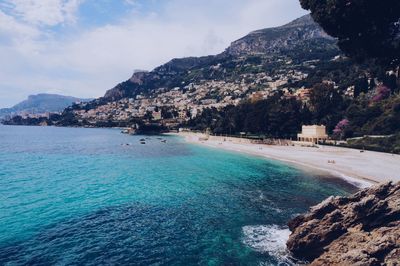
<point x="360" y="169"/>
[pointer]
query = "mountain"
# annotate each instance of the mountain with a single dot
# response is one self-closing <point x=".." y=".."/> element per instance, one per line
<point x="296" y="34"/>
<point x="264" y="63"/>
<point x="41" y="103"/>
<point x="298" y="41"/>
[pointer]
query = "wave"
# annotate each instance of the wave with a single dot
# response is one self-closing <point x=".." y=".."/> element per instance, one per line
<point x="270" y="239"/>
<point x="357" y="182"/>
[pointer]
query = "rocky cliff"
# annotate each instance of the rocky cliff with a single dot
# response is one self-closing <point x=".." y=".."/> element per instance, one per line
<point x="280" y="39"/>
<point x="363" y="229"/>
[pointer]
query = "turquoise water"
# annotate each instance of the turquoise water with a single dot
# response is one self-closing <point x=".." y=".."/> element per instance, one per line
<point x="82" y="196"/>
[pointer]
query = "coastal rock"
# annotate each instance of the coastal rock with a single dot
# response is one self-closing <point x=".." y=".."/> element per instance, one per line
<point x="363" y="229"/>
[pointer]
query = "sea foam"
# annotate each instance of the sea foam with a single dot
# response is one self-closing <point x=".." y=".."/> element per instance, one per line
<point x="269" y="239"/>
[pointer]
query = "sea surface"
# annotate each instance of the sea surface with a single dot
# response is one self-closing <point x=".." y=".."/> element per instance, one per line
<point x="73" y="196"/>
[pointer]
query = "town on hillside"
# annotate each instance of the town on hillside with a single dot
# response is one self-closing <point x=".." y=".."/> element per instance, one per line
<point x="266" y="85"/>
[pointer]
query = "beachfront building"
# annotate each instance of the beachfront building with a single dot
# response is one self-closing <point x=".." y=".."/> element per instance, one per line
<point x="314" y="134"/>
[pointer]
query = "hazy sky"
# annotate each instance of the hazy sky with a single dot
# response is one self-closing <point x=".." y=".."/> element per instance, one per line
<point x="84" y="47"/>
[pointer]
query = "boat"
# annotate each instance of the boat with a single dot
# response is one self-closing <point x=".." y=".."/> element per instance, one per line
<point x="129" y="131"/>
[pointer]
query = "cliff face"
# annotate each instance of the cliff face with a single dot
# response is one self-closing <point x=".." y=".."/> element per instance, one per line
<point x="280" y="39"/>
<point x="363" y="229"/>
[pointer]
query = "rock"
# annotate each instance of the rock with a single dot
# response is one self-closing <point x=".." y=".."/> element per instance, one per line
<point x="363" y="229"/>
<point x="279" y="39"/>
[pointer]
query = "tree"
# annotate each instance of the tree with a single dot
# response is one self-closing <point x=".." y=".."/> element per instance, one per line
<point x="360" y="86"/>
<point x="341" y="128"/>
<point x="391" y="82"/>
<point x="366" y="29"/>
<point x="326" y="104"/>
<point x="382" y="92"/>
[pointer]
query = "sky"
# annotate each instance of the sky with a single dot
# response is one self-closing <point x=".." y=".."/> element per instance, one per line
<point x="82" y="48"/>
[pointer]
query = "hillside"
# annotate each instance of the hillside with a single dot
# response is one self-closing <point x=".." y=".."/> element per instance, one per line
<point x="268" y="83"/>
<point x="262" y="51"/>
<point x="259" y="65"/>
<point x="41" y="103"/>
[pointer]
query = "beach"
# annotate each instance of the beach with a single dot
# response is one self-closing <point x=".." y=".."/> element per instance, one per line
<point x="363" y="168"/>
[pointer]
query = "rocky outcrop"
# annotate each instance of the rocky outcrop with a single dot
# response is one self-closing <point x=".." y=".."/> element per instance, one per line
<point x="280" y="39"/>
<point x="363" y="229"/>
<point x="138" y="77"/>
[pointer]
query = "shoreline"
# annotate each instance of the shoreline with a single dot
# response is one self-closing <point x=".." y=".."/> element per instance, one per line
<point x="360" y="169"/>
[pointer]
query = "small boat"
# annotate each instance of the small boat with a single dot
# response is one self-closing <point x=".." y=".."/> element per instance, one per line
<point x="142" y="142"/>
<point x="164" y="141"/>
<point x="129" y="131"/>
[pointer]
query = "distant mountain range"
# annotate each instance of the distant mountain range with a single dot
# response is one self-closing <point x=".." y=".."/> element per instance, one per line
<point x="41" y="103"/>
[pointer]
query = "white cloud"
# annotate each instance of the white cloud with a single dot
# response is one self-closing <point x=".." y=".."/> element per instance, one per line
<point x="10" y="27"/>
<point x="43" y="12"/>
<point x="91" y="60"/>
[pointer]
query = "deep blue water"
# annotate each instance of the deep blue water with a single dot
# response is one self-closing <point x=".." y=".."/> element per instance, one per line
<point x="82" y="196"/>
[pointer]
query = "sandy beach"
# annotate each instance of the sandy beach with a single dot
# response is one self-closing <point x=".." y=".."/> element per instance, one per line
<point x="362" y="168"/>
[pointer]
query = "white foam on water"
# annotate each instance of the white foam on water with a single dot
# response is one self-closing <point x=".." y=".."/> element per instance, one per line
<point x="269" y="239"/>
<point x="356" y="181"/>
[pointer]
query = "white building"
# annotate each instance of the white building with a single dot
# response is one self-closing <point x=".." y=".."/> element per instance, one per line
<point x="314" y="134"/>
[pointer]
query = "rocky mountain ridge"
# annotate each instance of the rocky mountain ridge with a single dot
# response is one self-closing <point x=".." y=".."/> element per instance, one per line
<point x="279" y="39"/>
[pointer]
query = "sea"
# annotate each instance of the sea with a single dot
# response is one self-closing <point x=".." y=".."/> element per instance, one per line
<point x="75" y="196"/>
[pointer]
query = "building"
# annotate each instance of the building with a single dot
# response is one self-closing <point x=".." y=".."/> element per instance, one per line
<point x="182" y="115"/>
<point x="194" y="112"/>
<point x="256" y="96"/>
<point x="303" y="94"/>
<point x="314" y="134"/>
<point x="157" y="115"/>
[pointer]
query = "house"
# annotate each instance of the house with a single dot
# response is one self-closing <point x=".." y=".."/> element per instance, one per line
<point x="303" y="94"/>
<point x="314" y="134"/>
<point x="182" y="115"/>
<point x="157" y="115"/>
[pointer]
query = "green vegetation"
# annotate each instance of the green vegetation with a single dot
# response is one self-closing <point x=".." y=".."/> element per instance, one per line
<point x="390" y="144"/>
<point x="274" y="117"/>
<point x="369" y="114"/>
<point x="366" y="29"/>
